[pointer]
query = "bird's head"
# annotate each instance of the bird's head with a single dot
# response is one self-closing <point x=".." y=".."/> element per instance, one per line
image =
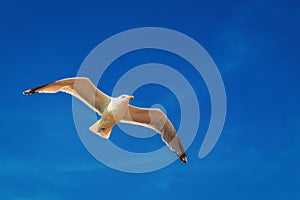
<point x="125" y="98"/>
<point x="121" y="100"/>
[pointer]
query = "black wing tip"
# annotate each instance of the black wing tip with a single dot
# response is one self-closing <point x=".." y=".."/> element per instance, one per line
<point x="35" y="90"/>
<point x="30" y="91"/>
<point x="183" y="158"/>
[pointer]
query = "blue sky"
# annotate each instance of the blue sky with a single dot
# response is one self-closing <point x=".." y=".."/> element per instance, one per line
<point x="255" y="45"/>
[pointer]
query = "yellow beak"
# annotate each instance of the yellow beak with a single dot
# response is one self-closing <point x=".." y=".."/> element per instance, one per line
<point x="130" y="97"/>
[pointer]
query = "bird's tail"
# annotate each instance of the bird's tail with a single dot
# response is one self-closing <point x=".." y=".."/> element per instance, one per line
<point x="102" y="132"/>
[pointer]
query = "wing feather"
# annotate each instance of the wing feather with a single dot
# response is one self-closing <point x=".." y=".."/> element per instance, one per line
<point x="158" y="121"/>
<point x="81" y="88"/>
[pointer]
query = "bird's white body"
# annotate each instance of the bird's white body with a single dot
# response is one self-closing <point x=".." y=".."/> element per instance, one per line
<point x="118" y="107"/>
<point x="112" y="115"/>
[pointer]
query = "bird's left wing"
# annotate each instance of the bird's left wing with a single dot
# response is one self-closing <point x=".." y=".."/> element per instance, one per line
<point x="158" y="121"/>
<point x="81" y="88"/>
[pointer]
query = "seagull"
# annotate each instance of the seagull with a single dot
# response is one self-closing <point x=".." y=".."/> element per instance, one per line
<point x="114" y="110"/>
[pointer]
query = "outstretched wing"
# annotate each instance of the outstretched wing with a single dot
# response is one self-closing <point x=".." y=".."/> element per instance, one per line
<point x="81" y="88"/>
<point x="158" y="121"/>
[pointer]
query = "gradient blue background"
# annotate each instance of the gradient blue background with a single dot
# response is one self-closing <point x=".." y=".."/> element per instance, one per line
<point x="255" y="45"/>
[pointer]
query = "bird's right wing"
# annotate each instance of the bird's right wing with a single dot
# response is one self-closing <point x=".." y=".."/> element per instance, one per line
<point x="81" y="88"/>
<point x="156" y="120"/>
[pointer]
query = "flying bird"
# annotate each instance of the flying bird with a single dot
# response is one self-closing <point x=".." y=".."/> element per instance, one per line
<point x="115" y="110"/>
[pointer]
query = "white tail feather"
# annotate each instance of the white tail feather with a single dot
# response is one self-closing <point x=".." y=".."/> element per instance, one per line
<point x="102" y="132"/>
